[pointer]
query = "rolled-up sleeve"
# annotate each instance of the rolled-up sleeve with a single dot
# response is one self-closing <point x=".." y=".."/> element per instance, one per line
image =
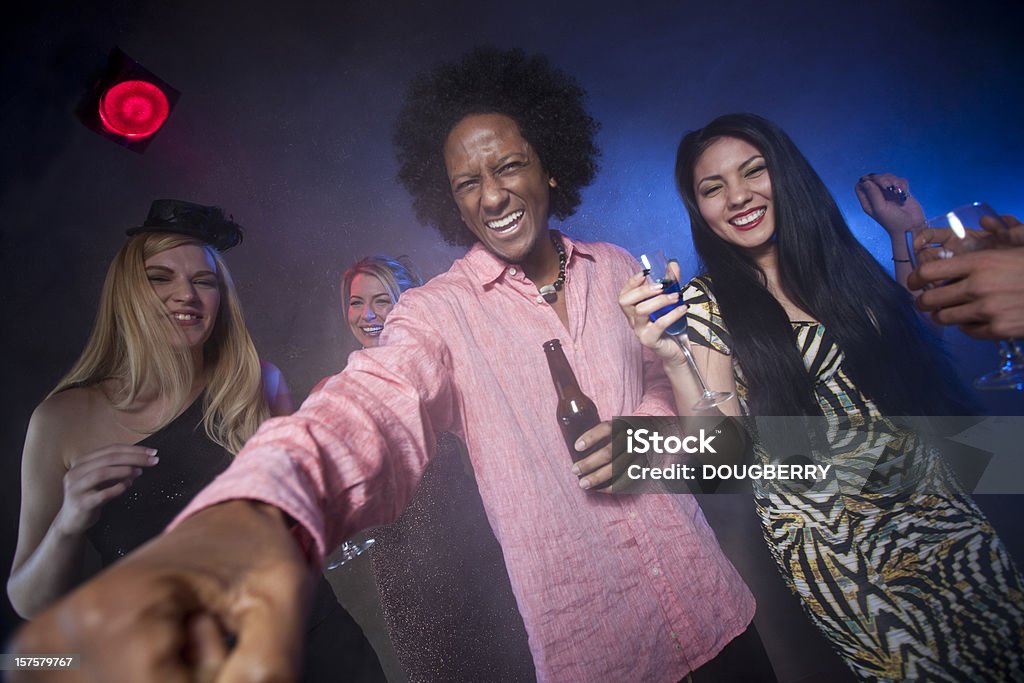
<point x="354" y="452"/>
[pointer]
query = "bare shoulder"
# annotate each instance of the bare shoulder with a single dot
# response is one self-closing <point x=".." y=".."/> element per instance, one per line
<point x="272" y="378"/>
<point x="68" y="420"/>
<point x="276" y="390"/>
<point x="71" y="405"/>
<point x="269" y="371"/>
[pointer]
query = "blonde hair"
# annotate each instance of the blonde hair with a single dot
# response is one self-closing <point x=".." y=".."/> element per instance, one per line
<point x="129" y="345"/>
<point x="397" y="275"/>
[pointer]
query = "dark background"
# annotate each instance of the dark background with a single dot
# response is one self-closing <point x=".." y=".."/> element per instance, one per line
<point x="285" y="121"/>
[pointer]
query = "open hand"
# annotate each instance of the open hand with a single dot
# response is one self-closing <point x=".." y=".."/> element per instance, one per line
<point x="96" y="478"/>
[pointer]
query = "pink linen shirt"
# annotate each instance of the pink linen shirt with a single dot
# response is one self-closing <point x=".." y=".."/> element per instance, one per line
<point x="610" y="587"/>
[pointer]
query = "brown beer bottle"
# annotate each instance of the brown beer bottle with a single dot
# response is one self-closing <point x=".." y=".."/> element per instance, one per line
<point x="576" y="413"/>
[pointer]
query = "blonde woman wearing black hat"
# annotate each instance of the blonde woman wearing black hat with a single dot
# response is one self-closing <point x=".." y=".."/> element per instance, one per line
<point x="167" y="389"/>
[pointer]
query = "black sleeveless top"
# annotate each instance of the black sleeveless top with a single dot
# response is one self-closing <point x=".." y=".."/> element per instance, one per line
<point x="189" y="460"/>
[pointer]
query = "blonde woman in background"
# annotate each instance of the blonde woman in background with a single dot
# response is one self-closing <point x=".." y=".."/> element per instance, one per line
<point x="168" y="388"/>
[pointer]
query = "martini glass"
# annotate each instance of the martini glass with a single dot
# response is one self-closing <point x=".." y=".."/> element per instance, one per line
<point x="655" y="262"/>
<point x="964" y="222"/>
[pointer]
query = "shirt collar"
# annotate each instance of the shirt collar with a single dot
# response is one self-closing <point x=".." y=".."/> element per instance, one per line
<point x="488" y="268"/>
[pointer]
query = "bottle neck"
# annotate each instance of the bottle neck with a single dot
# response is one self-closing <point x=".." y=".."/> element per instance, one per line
<point x="561" y="372"/>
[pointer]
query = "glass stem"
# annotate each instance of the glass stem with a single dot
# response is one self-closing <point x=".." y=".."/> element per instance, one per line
<point x="1006" y="348"/>
<point x="1012" y="354"/>
<point x="684" y="345"/>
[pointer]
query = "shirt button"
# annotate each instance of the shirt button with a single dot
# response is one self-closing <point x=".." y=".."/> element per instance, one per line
<point x="655" y="571"/>
<point x="540" y="299"/>
<point x="512" y="271"/>
<point x="632" y="516"/>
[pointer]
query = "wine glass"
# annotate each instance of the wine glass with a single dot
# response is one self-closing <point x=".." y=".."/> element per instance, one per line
<point x="348" y="551"/>
<point x="655" y="262"/>
<point x="964" y="222"/>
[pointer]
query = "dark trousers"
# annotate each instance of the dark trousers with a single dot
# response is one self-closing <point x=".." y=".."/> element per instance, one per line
<point x="743" y="660"/>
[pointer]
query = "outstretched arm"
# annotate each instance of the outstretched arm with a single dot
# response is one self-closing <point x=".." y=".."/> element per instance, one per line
<point x="168" y="611"/>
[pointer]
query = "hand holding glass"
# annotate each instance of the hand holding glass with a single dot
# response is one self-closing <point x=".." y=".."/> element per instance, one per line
<point x="964" y="222"/>
<point x="678" y="330"/>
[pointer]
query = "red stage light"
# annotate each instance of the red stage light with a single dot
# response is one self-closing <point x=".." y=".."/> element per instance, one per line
<point x="133" y="109"/>
<point x="127" y="103"/>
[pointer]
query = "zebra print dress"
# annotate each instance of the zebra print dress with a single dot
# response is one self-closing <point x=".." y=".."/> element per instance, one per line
<point x="892" y="561"/>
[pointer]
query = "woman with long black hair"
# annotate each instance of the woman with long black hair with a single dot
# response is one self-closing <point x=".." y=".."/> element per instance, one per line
<point x="892" y="561"/>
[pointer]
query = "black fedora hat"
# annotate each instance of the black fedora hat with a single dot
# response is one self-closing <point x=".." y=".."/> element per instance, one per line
<point x="206" y="223"/>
